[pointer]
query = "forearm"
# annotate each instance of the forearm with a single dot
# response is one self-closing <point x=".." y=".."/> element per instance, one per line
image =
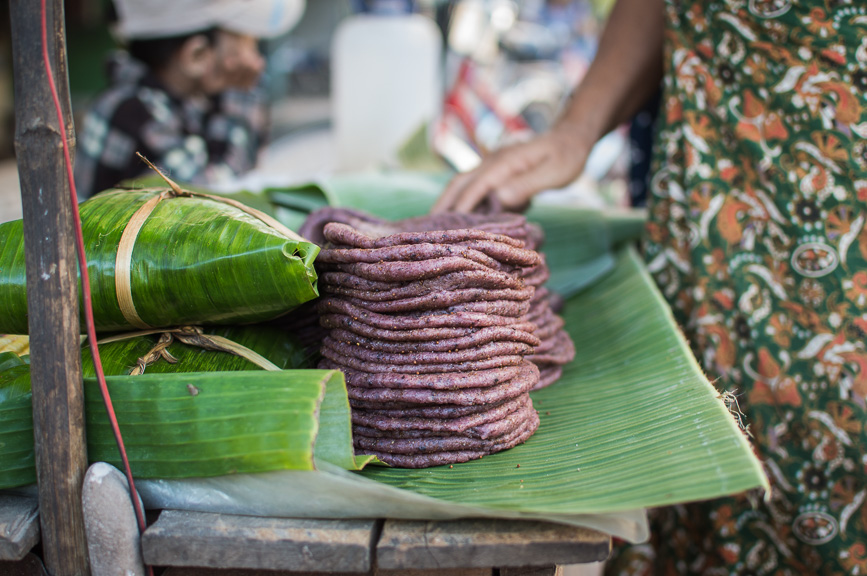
<point x="627" y="70"/>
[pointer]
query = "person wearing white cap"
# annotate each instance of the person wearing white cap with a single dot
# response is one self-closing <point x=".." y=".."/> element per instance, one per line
<point x="184" y="93"/>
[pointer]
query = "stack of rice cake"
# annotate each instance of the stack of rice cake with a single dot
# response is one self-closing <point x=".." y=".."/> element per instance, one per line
<point x="555" y="348"/>
<point x="431" y="320"/>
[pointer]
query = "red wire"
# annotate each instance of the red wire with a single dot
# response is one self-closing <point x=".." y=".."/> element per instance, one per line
<point x="85" y="283"/>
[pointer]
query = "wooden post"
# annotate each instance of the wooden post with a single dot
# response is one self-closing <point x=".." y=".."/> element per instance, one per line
<point x="52" y="285"/>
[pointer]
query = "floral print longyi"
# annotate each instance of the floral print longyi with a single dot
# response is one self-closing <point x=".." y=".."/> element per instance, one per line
<point x="757" y="238"/>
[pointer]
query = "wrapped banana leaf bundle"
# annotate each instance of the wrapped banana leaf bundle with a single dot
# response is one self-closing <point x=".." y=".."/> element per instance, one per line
<point x="168" y="257"/>
<point x="198" y="403"/>
<point x="193" y="349"/>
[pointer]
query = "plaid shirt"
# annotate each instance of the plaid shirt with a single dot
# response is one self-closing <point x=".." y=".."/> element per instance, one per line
<point x="193" y="141"/>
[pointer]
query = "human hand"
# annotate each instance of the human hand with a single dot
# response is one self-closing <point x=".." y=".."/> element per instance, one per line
<point x="516" y="173"/>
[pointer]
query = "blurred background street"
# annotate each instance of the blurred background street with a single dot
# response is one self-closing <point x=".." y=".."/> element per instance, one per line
<point x="504" y="68"/>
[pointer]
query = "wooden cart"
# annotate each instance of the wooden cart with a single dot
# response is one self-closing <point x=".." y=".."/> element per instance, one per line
<point x="196" y="544"/>
<point x="189" y="543"/>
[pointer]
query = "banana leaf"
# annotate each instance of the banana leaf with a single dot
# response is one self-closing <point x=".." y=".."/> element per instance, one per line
<point x="633" y="390"/>
<point x="253" y="199"/>
<point x="194" y="261"/>
<point x="16" y="422"/>
<point x="392" y="195"/>
<point x="292" y="206"/>
<point x="213" y="423"/>
<point x="147" y="417"/>
<point x="333" y="444"/>
<point x="119" y="354"/>
<point x="193" y="424"/>
<point x="633" y="423"/>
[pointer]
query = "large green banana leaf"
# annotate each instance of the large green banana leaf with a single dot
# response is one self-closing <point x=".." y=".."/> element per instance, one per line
<point x="194" y="261"/>
<point x="633" y="423"/>
<point x="580" y="243"/>
<point x="633" y="390"/>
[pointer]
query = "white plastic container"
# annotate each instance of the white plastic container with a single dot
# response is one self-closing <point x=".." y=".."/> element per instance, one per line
<point x="386" y="83"/>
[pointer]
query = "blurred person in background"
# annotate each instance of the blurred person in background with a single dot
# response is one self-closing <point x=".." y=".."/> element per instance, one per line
<point x="184" y="93"/>
<point x="757" y="238"/>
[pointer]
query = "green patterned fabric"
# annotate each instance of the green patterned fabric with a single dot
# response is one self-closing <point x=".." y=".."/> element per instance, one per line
<point x="757" y="238"/>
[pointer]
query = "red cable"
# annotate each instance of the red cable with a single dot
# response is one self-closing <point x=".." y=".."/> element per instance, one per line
<point x="85" y="283"/>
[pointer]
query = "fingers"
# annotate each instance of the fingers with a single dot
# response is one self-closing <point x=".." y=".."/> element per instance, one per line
<point x="452" y="192"/>
<point x="548" y="174"/>
<point x="467" y="191"/>
<point x="515" y="174"/>
<point x="485" y="182"/>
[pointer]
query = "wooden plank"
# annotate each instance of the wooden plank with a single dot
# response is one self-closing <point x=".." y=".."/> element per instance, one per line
<point x="532" y="571"/>
<point x="443" y="572"/>
<point x="30" y="565"/>
<point x="181" y="538"/>
<point x="185" y="571"/>
<point x="483" y="543"/>
<point x="19" y="526"/>
<point x="52" y="286"/>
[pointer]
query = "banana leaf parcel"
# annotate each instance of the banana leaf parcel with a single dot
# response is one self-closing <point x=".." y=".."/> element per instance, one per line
<point x="193" y="413"/>
<point x="192" y="349"/>
<point x="157" y="258"/>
